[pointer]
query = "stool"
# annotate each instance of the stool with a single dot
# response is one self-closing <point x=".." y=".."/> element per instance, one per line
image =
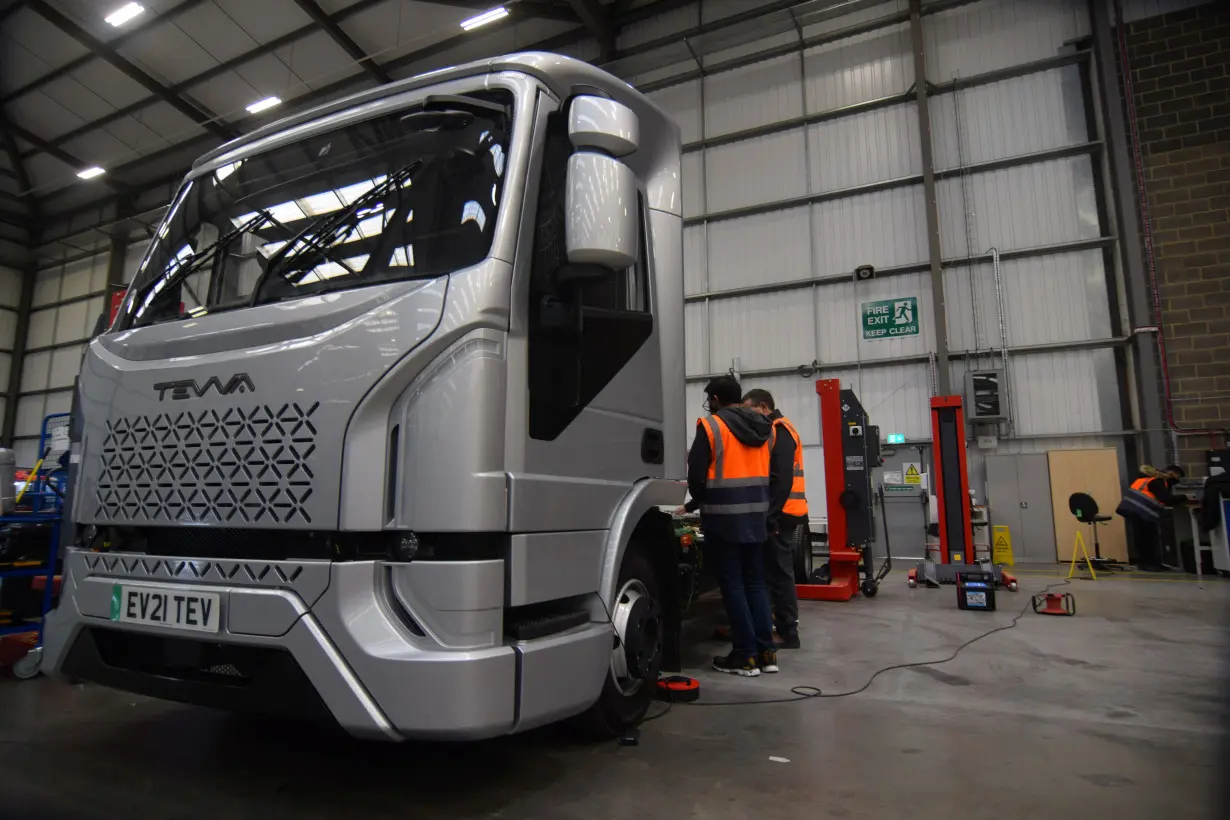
<point x="1083" y="506"/>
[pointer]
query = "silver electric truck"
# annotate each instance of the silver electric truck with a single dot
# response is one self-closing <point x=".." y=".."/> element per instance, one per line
<point x="383" y="427"/>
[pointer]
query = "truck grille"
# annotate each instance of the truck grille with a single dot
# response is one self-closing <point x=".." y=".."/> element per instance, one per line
<point x="210" y="466"/>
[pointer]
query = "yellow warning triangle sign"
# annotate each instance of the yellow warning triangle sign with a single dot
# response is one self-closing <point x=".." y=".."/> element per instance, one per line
<point x="911" y="470"/>
<point x="1001" y="541"/>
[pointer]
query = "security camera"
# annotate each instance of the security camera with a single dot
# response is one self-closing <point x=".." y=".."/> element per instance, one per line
<point x="864" y="272"/>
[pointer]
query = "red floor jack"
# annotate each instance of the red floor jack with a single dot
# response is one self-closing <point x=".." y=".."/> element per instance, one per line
<point x="851" y="452"/>
<point x="951" y="482"/>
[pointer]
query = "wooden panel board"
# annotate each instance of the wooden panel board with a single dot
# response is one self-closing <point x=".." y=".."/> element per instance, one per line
<point x="1095" y="472"/>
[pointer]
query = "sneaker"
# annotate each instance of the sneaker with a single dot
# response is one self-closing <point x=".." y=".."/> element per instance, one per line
<point x="768" y="661"/>
<point x="787" y="641"/>
<point x="737" y="665"/>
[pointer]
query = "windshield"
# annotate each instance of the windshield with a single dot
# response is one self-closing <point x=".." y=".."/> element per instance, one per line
<point x="408" y="195"/>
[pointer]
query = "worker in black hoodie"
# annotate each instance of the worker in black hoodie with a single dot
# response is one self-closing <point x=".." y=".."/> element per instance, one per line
<point x="728" y="480"/>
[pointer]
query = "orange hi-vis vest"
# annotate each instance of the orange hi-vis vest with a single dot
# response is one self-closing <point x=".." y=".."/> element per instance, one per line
<point x="1140" y="503"/>
<point x="796" y="504"/>
<point x="1141" y="485"/>
<point x="736" y="501"/>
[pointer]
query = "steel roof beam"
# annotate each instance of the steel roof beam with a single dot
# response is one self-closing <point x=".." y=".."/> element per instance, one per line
<point x="63" y="156"/>
<point x="119" y="40"/>
<point x="19" y="169"/>
<point x="597" y="18"/>
<point x="344" y="40"/>
<point x="210" y="122"/>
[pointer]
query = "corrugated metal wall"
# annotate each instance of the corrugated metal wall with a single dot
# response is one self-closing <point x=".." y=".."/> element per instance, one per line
<point x="801" y="166"/>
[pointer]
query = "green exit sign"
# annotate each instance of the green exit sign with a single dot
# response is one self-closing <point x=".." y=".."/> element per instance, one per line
<point x="890" y="318"/>
<point x="896" y="438"/>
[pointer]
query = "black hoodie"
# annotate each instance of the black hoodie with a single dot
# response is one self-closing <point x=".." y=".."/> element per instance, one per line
<point x="747" y="425"/>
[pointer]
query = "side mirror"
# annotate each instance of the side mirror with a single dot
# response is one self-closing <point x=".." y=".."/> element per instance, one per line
<point x="601" y="212"/>
<point x="602" y="199"/>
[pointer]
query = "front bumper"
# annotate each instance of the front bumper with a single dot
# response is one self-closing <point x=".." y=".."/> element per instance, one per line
<point x="381" y="668"/>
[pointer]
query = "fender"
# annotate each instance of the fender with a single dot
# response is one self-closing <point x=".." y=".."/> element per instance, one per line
<point x="646" y="494"/>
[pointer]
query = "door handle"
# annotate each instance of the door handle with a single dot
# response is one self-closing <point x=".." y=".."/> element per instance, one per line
<point x="653" y="447"/>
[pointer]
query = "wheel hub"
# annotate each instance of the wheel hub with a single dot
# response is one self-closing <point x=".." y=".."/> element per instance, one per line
<point x="637" y="619"/>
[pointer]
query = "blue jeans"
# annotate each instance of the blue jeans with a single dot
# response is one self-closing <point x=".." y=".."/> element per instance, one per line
<point x="740" y="572"/>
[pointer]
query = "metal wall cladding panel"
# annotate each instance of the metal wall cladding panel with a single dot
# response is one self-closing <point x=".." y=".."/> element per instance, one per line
<point x="897" y="398"/>
<point x="34" y="371"/>
<point x="757" y="250"/>
<point x="1009" y="118"/>
<point x="660" y="25"/>
<point x="754" y="171"/>
<point x="761" y="331"/>
<point x="1053" y="392"/>
<point x="882" y="229"/>
<point x="839" y="319"/>
<point x="682" y="103"/>
<point x="876" y="11"/>
<point x="869" y="147"/>
<point x="10" y="286"/>
<point x="758" y="94"/>
<point x="695" y="260"/>
<point x="8" y="331"/>
<point x="132" y="259"/>
<point x="1047" y="299"/>
<point x="991" y="34"/>
<point x="693" y="184"/>
<point x="856" y="69"/>
<point x="6" y="365"/>
<point x="1038" y="204"/>
<point x="30" y="413"/>
<point x="696" y="339"/>
<point x="720" y="56"/>
<point x="84" y="276"/>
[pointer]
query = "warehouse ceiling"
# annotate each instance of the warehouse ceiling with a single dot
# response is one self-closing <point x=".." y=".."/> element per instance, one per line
<point x="140" y="96"/>
<point x="104" y="104"/>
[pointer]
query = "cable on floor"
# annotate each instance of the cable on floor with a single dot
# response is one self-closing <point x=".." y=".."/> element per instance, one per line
<point x="805" y="692"/>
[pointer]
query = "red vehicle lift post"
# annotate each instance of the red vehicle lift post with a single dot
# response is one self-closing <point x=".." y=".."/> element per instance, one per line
<point x="951" y="484"/>
<point x="851" y="451"/>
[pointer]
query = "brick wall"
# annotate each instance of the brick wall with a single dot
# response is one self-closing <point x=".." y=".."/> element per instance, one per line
<point x="1180" y="65"/>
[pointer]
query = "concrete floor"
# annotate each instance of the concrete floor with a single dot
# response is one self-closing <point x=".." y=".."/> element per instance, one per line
<point x="1116" y="713"/>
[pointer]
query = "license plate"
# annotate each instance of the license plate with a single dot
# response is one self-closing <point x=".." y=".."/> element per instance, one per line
<point x="166" y="606"/>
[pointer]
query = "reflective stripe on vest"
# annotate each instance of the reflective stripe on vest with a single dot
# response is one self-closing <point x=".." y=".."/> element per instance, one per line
<point x="738" y="479"/>
<point x="1139" y="502"/>
<point x="796" y="504"/>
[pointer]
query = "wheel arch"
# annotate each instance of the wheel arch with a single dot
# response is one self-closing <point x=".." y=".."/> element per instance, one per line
<point x="638" y="517"/>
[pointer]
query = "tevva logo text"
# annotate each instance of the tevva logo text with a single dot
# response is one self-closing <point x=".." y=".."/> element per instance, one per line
<point x="189" y="389"/>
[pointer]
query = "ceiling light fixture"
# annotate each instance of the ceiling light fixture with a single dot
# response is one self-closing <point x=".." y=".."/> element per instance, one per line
<point x="264" y="105"/>
<point x="124" y="13"/>
<point x="90" y="173"/>
<point x="489" y="16"/>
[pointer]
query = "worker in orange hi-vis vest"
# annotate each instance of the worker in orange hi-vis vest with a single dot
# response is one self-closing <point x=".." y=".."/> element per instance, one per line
<point x="1144" y="503"/>
<point x="728" y="480"/>
<point x="787" y="512"/>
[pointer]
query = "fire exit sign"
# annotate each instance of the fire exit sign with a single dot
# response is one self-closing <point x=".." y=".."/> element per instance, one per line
<point x="890" y="318"/>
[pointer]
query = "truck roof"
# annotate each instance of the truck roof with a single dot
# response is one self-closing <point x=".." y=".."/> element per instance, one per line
<point x="559" y="73"/>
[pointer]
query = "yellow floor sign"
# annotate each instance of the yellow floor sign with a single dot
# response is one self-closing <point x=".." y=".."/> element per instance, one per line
<point x="1001" y="545"/>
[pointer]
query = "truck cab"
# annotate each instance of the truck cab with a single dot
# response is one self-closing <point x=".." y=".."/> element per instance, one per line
<point x="381" y="429"/>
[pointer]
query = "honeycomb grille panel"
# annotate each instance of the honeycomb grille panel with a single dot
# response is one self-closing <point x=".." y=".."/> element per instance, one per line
<point x="232" y="466"/>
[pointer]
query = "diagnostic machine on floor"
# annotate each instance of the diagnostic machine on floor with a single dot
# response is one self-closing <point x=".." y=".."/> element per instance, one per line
<point x="951" y="482"/>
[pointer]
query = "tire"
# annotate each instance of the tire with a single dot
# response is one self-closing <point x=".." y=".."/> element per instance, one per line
<point x="802" y="554"/>
<point x="870" y="588"/>
<point x="624" y="701"/>
<point x="28" y="665"/>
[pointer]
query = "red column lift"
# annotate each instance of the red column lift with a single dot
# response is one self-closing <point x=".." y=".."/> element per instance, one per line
<point x="851" y="452"/>
<point x="950" y="481"/>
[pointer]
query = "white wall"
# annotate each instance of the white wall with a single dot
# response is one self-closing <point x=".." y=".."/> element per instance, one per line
<point x="1058" y="298"/>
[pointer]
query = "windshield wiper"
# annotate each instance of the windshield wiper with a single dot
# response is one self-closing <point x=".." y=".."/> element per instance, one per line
<point x="206" y="255"/>
<point x="318" y="236"/>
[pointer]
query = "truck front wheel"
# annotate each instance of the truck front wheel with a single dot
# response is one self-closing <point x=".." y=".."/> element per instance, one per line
<point x="636" y="657"/>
